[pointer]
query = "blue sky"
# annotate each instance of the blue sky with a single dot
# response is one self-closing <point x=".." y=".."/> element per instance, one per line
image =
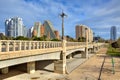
<point x="99" y="15"/>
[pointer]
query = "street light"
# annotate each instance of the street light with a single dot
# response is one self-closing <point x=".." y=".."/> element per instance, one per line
<point x="86" y="32"/>
<point x="62" y="16"/>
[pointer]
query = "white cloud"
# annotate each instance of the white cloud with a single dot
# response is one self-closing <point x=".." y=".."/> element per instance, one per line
<point x="100" y="15"/>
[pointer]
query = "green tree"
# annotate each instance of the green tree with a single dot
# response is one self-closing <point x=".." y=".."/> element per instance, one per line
<point x="68" y="38"/>
<point x="81" y="39"/>
<point x="55" y="40"/>
<point x="3" y="37"/>
<point x="21" y="38"/>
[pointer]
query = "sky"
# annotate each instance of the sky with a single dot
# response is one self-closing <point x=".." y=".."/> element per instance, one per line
<point x="99" y="15"/>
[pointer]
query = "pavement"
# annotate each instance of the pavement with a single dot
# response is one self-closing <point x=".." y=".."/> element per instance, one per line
<point x="91" y="69"/>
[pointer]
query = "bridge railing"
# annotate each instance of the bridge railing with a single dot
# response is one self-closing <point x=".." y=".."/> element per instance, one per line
<point x="18" y="45"/>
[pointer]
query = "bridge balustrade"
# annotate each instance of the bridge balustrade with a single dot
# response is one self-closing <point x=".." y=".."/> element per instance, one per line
<point x="17" y="45"/>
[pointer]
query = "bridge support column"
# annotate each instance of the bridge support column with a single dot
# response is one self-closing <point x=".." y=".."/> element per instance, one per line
<point x="92" y="50"/>
<point x="60" y="66"/>
<point x="31" y="67"/>
<point x="70" y="56"/>
<point x="85" y="54"/>
<point x="4" y="70"/>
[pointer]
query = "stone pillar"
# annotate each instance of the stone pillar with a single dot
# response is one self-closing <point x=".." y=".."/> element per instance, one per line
<point x="31" y="67"/>
<point x="4" y="70"/>
<point x="92" y="50"/>
<point x="86" y="48"/>
<point x="70" y="56"/>
<point x="60" y="66"/>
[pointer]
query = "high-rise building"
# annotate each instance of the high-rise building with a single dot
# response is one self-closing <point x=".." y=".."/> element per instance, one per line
<point x="113" y="33"/>
<point x="42" y="30"/>
<point x="49" y="31"/>
<point x="57" y="34"/>
<point x="14" y="27"/>
<point x="81" y="32"/>
<point x="46" y="29"/>
<point x="36" y="30"/>
<point x="30" y="31"/>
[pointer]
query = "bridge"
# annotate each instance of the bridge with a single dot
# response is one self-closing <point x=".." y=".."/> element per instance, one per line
<point x="14" y="52"/>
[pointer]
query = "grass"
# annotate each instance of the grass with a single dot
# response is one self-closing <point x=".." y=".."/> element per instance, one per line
<point x="113" y="51"/>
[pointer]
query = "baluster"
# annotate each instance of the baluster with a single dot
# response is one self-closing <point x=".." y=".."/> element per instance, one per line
<point x="50" y="44"/>
<point x="37" y="44"/>
<point x="24" y="45"/>
<point x="7" y="46"/>
<point x="29" y="45"/>
<point x="33" y="45"/>
<point x="46" y="45"/>
<point x="0" y="46"/>
<point x="43" y="45"/>
<point x="14" y="46"/>
<point x="19" y="46"/>
<point x="40" y="45"/>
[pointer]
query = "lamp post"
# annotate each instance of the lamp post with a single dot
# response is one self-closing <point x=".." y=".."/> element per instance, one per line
<point x="63" y="58"/>
<point x="86" y="32"/>
<point x="62" y="16"/>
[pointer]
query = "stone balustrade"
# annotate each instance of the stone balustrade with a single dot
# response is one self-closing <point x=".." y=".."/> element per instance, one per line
<point x="17" y="45"/>
<point x="18" y="49"/>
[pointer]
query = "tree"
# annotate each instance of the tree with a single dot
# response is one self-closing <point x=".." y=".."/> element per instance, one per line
<point x="81" y="39"/>
<point x="21" y="38"/>
<point x="3" y="37"/>
<point x="68" y="38"/>
<point x="55" y="40"/>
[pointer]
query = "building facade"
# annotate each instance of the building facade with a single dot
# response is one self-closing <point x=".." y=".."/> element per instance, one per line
<point x="81" y="32"/>
<point x="36" y="29"/>
<point x="30" y="31"/>
<point x="45" y="29"/>
<point x="49" y="31"/>
<point x="113" y="33"/>
<point x="14" y="27"/>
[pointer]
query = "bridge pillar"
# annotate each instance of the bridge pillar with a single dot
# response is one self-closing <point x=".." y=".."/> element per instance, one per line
<point x="31" y="67"/>
<point x="92" y="50"/>
<point x="60" y="66"/>
<point x="85" y="54"/>
<point x="70" y="56"/>
<point x="4" y="70"/>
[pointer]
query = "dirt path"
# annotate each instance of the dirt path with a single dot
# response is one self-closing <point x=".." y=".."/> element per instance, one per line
<point x="90" y="70"/>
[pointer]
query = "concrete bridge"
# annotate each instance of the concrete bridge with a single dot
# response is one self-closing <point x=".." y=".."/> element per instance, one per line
<point x="14" y="52"/>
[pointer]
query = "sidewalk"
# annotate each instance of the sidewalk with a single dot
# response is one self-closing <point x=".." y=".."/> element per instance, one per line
<point x="90" y="70"/>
